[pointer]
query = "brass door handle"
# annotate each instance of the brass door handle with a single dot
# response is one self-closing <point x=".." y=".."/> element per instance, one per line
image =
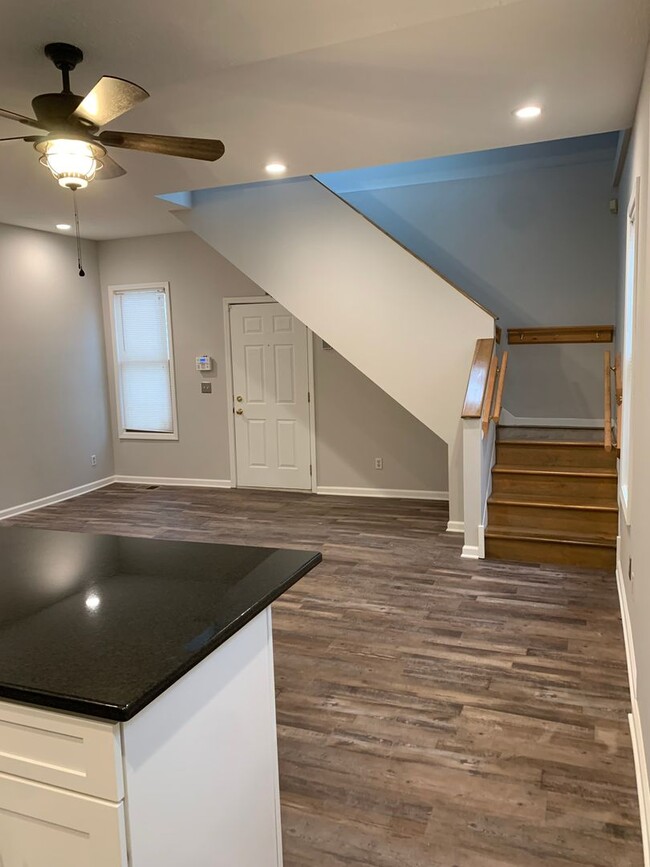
<point x="239" y="398"/>
<point x="239" y="411"/>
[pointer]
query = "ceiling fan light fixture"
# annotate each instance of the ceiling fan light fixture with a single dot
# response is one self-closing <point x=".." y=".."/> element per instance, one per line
<point x="73" y="162"/>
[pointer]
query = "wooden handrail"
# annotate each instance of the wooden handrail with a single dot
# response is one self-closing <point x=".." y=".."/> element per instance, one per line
<point x="563" y="334"/>
<point x="496" y="412"/>
<point x="478" y="377"/>
<point x="607" y="396"/>
<point x="489" y="394"/>
<point x="618" y="396"/>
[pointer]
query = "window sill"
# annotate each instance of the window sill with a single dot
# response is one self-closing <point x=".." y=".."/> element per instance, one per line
<point x="147" y="435"/>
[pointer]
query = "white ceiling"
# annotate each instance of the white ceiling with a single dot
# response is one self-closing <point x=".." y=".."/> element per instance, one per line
<point x="321" y="85"/>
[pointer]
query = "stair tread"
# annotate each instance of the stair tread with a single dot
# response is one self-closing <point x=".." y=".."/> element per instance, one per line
<point x="590" y="472"/>
<point x="533" y="534"/>
<point x="554" y="501"/>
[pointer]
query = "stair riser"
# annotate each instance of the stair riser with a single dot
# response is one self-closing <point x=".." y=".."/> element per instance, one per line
<point x="561" y="553"/>
<point x="568" y="489"/>
<point x="548" y="518"/>
<point x="545" y="455"/>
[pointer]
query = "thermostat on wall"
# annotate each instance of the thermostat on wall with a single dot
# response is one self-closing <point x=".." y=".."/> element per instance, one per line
<point x="203" y="362"/>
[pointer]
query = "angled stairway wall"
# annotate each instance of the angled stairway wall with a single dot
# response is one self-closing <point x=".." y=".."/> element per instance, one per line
<point x="399" y="322"/>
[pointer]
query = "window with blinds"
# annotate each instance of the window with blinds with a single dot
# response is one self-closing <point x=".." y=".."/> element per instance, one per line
<point x="144" y="361"/>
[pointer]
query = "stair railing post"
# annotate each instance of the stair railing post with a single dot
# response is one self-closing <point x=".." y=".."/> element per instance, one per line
<point x="607" y="400"/>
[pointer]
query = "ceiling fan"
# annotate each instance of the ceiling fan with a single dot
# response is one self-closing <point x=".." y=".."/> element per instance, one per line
<point x="72" y="146"/>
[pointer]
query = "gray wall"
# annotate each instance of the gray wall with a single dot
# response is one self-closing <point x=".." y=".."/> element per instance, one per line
<point x="356" y="421"/>
<point x="53" y="389"/>
<point x="535" y="245"/>
<point x="199" y="279"/>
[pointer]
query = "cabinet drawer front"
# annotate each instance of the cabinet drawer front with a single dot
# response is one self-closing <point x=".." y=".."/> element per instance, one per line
<point x="45" y="827"/>
<point x="71" y="752"/>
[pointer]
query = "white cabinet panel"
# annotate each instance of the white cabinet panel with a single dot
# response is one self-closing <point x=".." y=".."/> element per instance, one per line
<point x="201" y="763"/>
<point x="45" y="827"/>
<point x="73" y="752"/>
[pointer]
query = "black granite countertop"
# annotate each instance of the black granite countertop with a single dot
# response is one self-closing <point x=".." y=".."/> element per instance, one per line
<point x="101" y="625"/>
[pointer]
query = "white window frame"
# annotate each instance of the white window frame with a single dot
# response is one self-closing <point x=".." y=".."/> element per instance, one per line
<point x="629" y="328"/>
<point x="124" y="434"/>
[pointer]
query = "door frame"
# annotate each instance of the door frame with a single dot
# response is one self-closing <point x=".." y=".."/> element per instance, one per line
<point x="230" y="391"/>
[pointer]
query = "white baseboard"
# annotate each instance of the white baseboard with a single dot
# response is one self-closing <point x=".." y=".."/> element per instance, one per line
<point x="394" y="493"/>
<point x="55" y="498"/>
<point x="627" y="625"/>
<point x="510" y="420"/>
<point x="470" y="552"/>
<point x="455" y="526"/>
<point x="173" y="482"/>
<point x="641" y="769"/>
<point x="636" y="732"/>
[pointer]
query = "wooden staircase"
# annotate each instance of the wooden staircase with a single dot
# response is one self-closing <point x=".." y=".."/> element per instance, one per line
<point x="554" y="498"/>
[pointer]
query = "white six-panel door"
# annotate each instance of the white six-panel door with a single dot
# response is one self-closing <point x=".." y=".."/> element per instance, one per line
<point x="271" y="397"/>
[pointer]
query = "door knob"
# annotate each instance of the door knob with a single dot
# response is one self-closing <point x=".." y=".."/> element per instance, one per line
<point x="239" y="398"/>
<point x="239" y="411"/>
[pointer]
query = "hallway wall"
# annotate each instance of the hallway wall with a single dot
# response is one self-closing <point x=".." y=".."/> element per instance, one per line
<point x="355" y="420"/>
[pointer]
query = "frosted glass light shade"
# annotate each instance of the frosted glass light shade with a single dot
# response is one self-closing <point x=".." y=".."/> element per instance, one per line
<point x="73" y="162"/>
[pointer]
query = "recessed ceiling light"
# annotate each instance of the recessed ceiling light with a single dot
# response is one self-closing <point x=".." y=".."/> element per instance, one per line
<point x="276" y="168"/>
<point x="526" y="112"/>
<point x="63" y="227"/>
<point x="93" y="602"/>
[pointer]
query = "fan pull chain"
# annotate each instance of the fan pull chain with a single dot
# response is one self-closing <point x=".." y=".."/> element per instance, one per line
<point x="82" y="273"/>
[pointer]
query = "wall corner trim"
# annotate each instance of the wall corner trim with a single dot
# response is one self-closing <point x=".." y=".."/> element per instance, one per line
<point x="394" y="493"/>
<point x="55" y="498"/>
<point x="481" y="537"/>
<point x="455" y="526"/>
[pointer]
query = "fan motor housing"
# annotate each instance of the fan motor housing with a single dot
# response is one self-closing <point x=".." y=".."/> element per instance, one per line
<point x="53" y="110"/>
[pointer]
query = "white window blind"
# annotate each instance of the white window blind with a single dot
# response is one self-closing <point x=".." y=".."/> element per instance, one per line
<point x="144" y="360"/>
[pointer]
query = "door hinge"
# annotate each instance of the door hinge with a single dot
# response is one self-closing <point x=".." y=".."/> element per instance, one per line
<point x="310" y="470"/>
<point x="308" y="397"/>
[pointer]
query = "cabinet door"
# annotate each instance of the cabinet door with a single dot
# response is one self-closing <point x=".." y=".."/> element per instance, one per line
<point x="41" y="826"/>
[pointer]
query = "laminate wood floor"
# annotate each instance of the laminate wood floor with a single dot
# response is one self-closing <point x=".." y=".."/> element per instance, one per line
<point x="432" y="711"/>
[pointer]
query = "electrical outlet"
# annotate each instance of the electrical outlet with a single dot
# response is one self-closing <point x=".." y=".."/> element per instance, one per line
<point x="93" y="460"/>
<point x="379" y="463"/>
<point x="206" y="388"/>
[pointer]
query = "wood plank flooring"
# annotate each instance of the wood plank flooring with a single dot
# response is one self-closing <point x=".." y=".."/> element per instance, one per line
<point x="432" y="711"/>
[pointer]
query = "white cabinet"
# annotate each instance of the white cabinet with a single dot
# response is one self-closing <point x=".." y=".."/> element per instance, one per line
<point x="41" y="826"/>
<point x="199" y="766"/>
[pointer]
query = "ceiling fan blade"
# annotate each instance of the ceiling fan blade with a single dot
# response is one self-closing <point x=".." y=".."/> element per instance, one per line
<point x="109" y="98"/>
<point x="171" y="145"/>
<point x="12" y="115"/>
<point x="21" y="138"/>
<point x="110" y="169"/>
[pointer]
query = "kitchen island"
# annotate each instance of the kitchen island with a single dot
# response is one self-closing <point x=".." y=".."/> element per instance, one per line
<point x="137" y="701"/>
